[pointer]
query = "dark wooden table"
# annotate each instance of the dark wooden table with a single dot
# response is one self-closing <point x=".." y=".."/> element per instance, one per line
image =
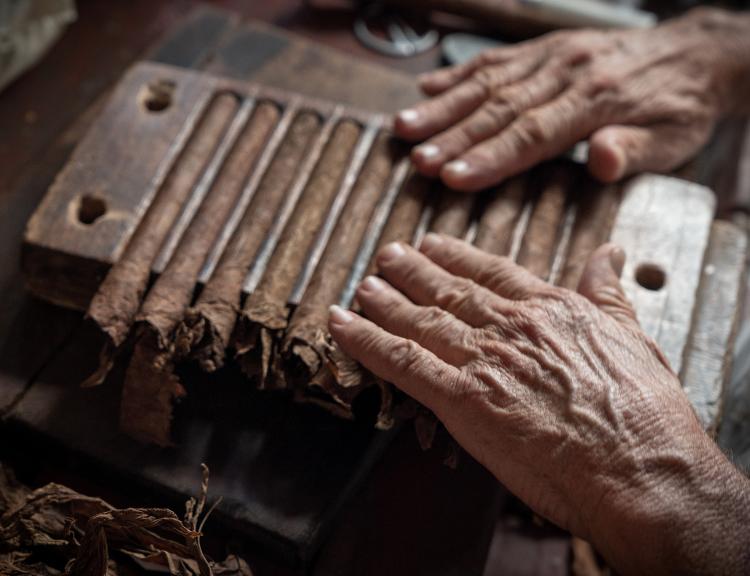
<point x="407" y="518"/>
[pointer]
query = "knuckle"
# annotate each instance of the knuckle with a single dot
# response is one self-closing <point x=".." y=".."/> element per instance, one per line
<point x="511" y="100"/>
<point x="485" y="123"/>
<point x="405" y="355"/>
<point x="531" y="317"/>
<point x="577" y="48"/>
<point x="579" y="55"/>
<point x="454" y="293"/>
<point x="370" y="342"/>
<point x="601" y="82"/>
<point x="464" y="388"/>
<point x="532" y="130"/>
<point x="484" y="77"/>
<point x="431" y="320"/>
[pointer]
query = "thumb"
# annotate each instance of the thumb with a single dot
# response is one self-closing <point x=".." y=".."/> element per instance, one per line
<point x="600" y="283"/>
<point x="619" y="151"/>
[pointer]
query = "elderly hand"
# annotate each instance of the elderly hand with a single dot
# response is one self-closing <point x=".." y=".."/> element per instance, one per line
<point x="646" y="99"/>
<point x="560" y="395"/>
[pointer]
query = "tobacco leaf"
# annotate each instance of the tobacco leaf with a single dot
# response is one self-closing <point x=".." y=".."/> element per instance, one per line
<point x="54" y="530"/>
<point x="151" y="388"/>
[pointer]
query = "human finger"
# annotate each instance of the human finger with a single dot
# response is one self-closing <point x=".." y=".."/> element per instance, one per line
<point x="431" y="327"/>
<point x="495" y="114"/>
<point x="427" y="284"/>
<point x="600" y="283"/>
<point x="618" y="151"/>
<point x="402" y="362"/>
<point x="497" y="273"/>
<point x="436" y="114"/>
<point x="538" y="134"/>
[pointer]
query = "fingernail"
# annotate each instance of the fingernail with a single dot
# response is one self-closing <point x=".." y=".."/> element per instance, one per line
<point x="430" y="241"/>
<point x="458" y="166"/>
<point x="408" y="116"/>
<point x="372" y="284"/>
<point x="617" y="259"/>
<point x="427" y="151"/>
<point x="391" y="252"/>
<point x="339" y="316"/>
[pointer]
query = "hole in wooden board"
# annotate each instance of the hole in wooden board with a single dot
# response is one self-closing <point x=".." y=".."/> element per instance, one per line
<point x="90" y="209"/>
<point x="650" y="276"/>
<point x="157" y="96"/>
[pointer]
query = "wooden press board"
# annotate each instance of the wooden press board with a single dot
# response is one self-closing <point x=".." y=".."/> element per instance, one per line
<point x="663" y="223"/>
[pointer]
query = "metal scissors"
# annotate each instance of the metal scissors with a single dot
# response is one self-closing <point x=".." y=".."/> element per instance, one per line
<point x="400" y="39"/>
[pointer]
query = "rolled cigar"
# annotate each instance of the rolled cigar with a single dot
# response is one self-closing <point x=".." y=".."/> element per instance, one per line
<point x="207" y="327"/>
<point x="306" y="339"/>
<point x="453" y="213"/>
<point x="342" y="378"/>
<point x="194" y="332"/>
<point x="266" y="312"/>
<point x="405" y="216"/>
<point x="541" y="240"/>
<point x="597" y="209"/>
<point x="116" y="302"/>
<point x="500" y="216"/>
<point x="150" y="384"/>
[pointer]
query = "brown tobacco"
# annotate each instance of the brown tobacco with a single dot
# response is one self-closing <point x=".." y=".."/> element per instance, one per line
<point x="150" y="384"/>
<point x="116" y="302"/>
<point x="343" y="378"/>
<point x="540" y="241"/>
<point x="55" y="530"/>
<point x="597" y="208"/>
<point x="499" y="217"/>
<point x="306" y="340"/>
<point x="453" y="213"/>
<point x="244" y="156"/>
<point x="405" y="216"/>
<point x="266" y="312"/>
<point x="207" y="327"/>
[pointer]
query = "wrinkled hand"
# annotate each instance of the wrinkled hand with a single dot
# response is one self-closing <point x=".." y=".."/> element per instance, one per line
<point x="646" y="99"/>
<point x="560" y="395"/>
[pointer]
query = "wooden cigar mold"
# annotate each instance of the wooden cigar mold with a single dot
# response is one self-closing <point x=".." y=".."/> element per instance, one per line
<point x="209" y="220"/>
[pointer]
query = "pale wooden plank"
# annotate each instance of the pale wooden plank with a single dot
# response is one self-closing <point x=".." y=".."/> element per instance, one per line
<point x="664" y="222"/>
<point x="709" y="356"/>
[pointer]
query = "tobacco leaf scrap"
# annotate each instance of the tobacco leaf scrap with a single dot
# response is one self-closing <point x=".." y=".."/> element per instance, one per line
<point x="54" y="530"/>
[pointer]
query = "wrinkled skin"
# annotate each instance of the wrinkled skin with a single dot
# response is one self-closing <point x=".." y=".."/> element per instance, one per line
<point x="560" y="395"/>
<point x="647" y="100"/>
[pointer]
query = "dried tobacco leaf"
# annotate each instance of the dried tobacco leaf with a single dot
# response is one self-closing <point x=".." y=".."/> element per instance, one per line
<point x="54" y="530"/>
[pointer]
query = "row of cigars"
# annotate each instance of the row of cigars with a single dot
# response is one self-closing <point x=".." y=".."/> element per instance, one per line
<point x="270" y="213"/>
